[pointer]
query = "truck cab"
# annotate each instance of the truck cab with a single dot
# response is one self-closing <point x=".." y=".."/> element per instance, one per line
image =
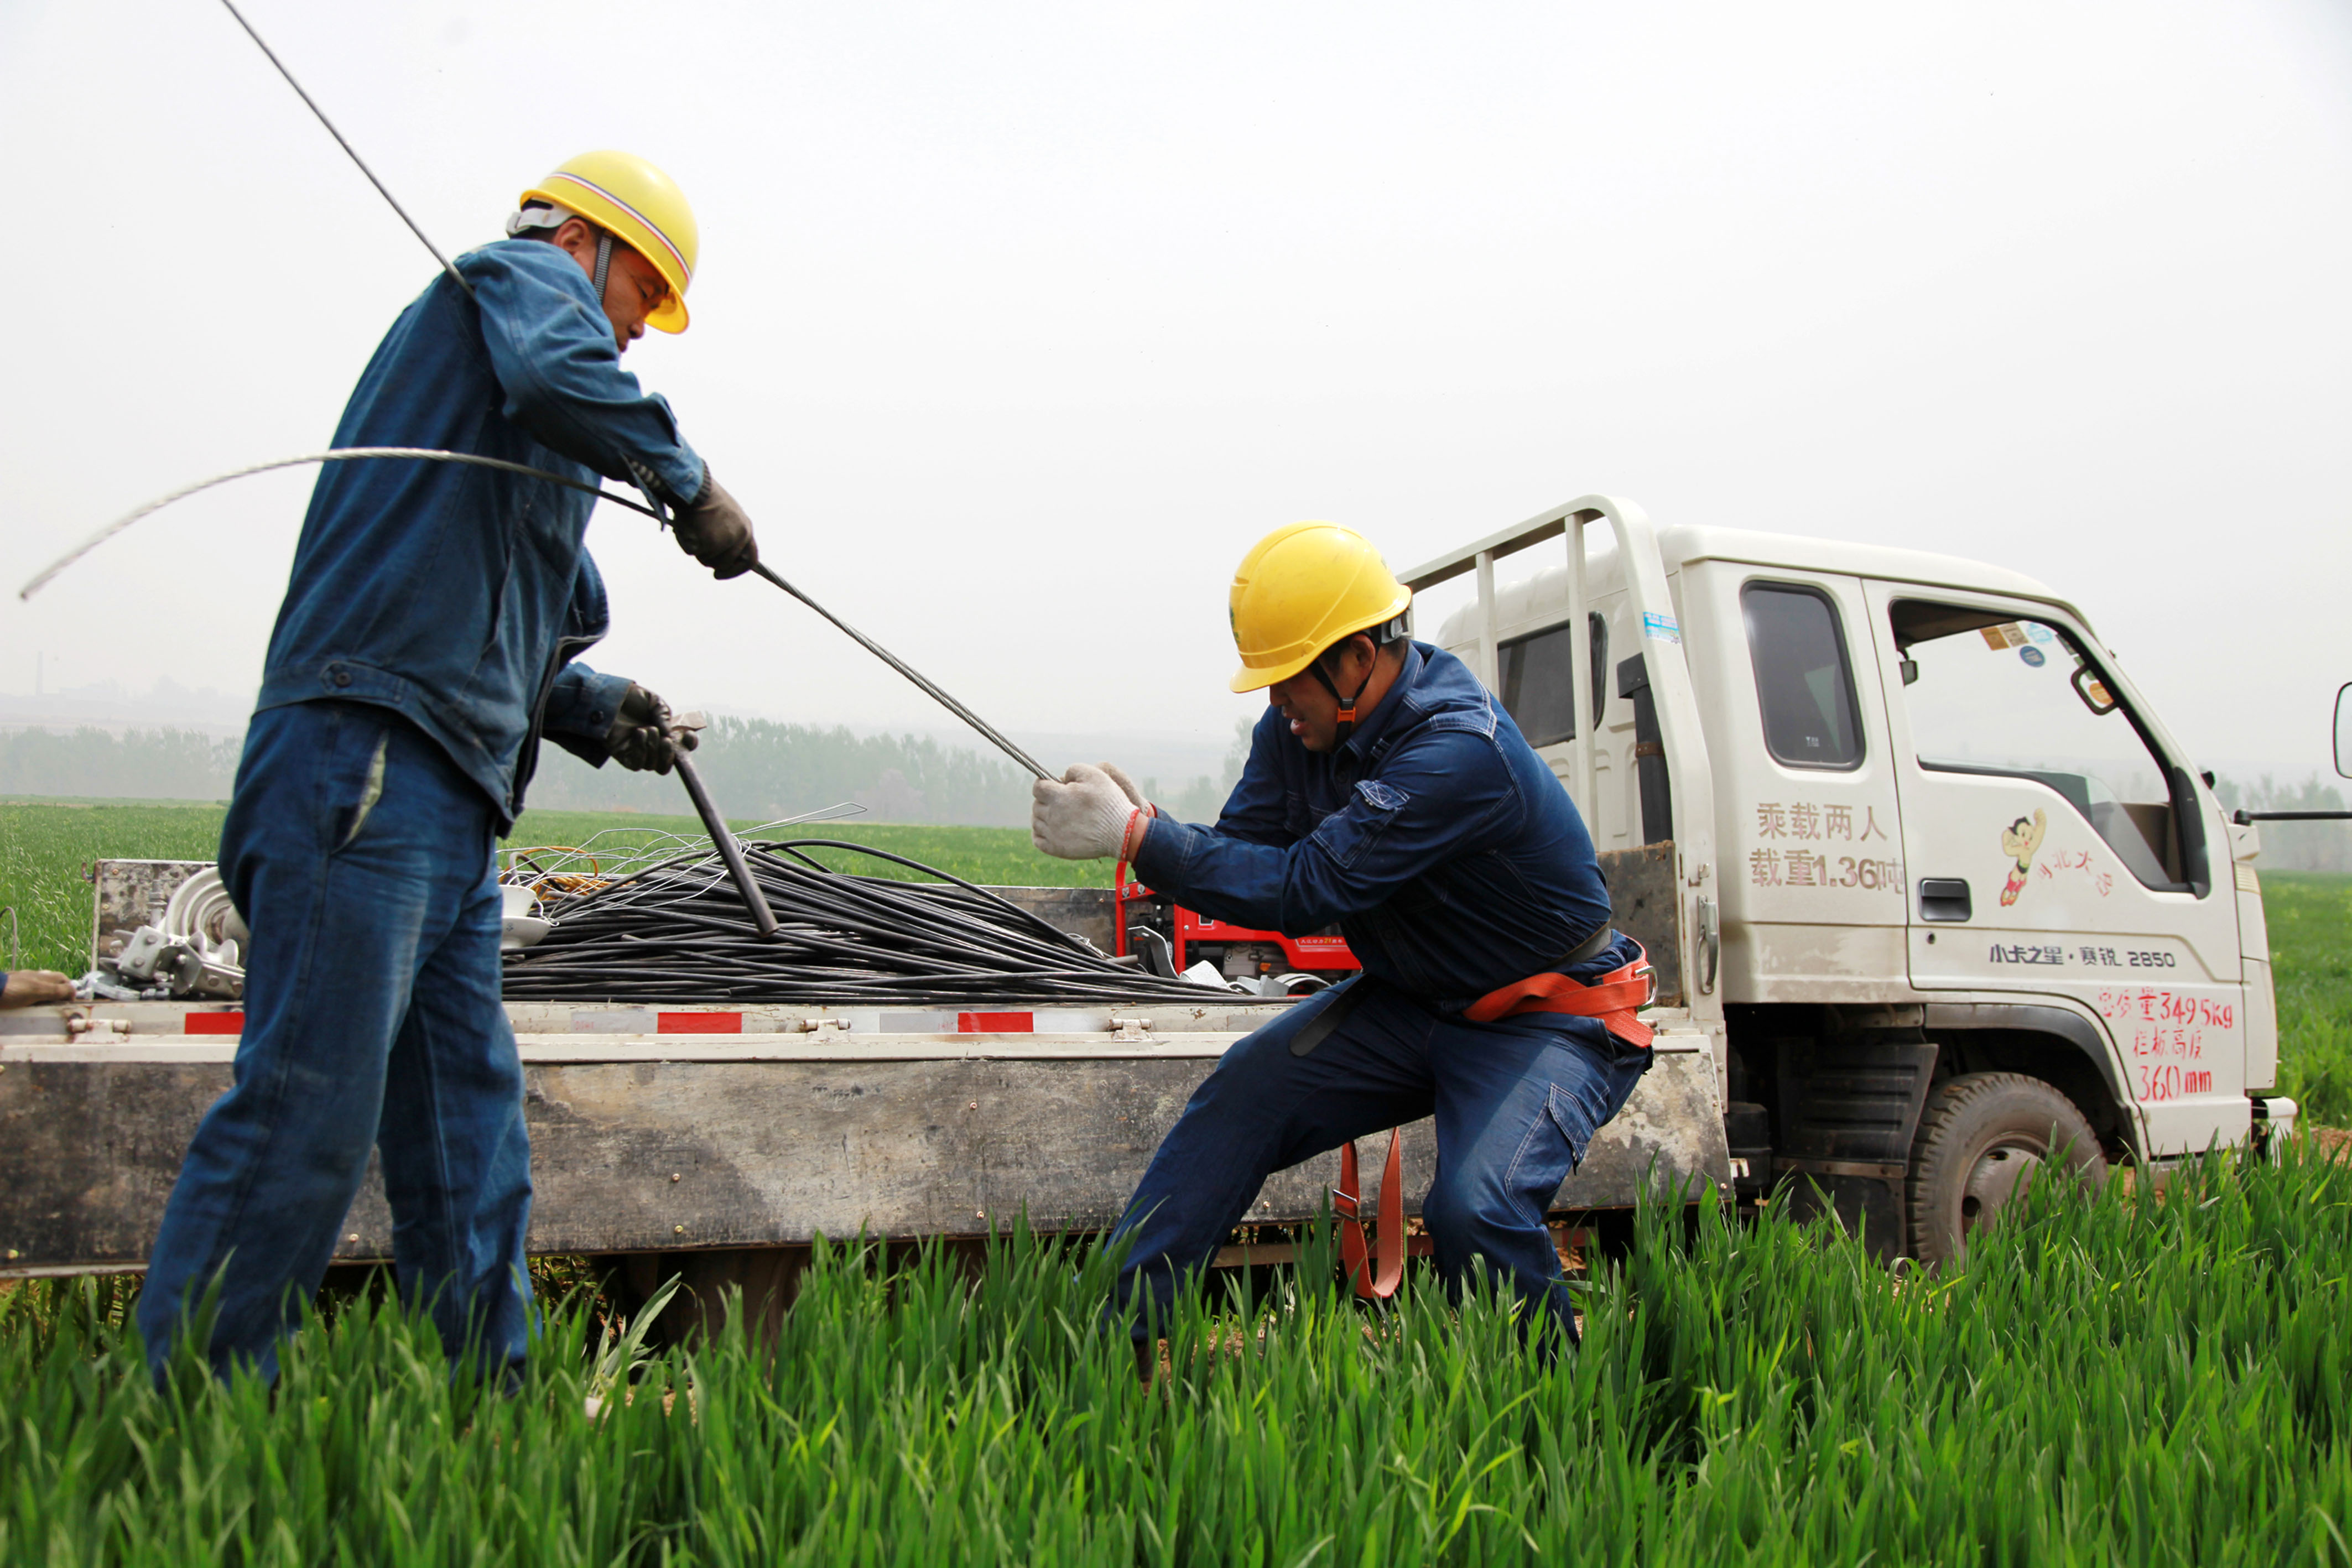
<point x="1948" y="903"/>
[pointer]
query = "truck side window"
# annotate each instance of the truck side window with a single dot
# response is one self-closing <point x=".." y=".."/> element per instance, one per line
<point x="1991" y="695"/>
<point x="1803" y="683"/>
<point x="1539" y="675"/>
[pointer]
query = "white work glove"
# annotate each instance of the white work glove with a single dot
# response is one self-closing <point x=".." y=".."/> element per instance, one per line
<point x="1084" y="817"/>
<point x="1126" y="785"/>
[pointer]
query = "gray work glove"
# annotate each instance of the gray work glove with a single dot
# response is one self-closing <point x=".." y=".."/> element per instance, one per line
<point x="644" y="735"/>
<point x="1084" y="817"/>
<point x="715" y="531"/>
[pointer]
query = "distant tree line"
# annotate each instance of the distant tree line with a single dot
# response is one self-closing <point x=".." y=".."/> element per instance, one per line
<point x="144" y="764"/>
<point x="754" y="767"/>
<point x="757" y="768"/>
<point x="2293" y="846"/>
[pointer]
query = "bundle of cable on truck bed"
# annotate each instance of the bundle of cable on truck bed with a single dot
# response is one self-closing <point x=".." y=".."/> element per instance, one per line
<point x="678" y="930"/>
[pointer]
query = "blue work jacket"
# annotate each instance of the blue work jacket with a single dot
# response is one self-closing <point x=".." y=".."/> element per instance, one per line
<point x="459" y="595"/>
<point x="1445" y="851"/>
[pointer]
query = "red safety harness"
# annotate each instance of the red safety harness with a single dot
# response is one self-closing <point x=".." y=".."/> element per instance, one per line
<point x="1615" y="999"/>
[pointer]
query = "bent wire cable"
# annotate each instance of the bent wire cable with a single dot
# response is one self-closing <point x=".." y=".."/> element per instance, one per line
<point x="930" y="689"/>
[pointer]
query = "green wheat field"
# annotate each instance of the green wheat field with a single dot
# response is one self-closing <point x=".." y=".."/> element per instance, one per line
<point x="2122" y="1378"/>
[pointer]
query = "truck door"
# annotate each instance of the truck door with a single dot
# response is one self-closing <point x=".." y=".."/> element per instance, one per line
<point x="2055" y="845"/>
<point x="1813" y="892"/>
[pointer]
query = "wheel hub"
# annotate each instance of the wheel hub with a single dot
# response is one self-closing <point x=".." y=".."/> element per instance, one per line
<point x="2000" y="1174"/>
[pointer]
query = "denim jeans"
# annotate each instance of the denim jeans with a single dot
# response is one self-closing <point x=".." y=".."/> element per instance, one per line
<point x="362" y="858"/>
<point x="1517" y="1103"/>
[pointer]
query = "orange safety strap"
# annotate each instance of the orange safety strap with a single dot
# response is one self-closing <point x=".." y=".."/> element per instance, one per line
<point x="1614" y="999"/>
<point x="1353" y="1250"/>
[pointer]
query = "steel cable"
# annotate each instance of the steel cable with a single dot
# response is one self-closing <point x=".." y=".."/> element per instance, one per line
<point x="676" y="932"/>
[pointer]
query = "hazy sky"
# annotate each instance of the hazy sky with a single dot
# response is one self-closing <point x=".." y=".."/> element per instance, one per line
<point x="1016" y="325"/>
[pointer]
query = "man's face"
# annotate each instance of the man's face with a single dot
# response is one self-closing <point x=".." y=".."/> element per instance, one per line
<point x="632" y="287"/>
<point x="631" y="292"/>
<point x="1313" y="713"/>
<point x="1308" y="705"/>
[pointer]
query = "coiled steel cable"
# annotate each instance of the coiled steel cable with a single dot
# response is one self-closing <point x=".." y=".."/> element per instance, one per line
<point x="676" y="932"/>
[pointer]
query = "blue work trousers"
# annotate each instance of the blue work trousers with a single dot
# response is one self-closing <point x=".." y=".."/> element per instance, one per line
<point x="1516" y="1102"/>
<point x="362" y="858"/>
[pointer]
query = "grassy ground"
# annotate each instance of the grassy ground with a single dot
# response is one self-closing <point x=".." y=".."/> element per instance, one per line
<point x="45" y="845"/>
<point x="2310" y="919"/>
<point x="2112" y="1380"/>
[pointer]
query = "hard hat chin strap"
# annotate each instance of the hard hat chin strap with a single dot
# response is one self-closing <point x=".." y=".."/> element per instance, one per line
<point x="1346" y="704"/>
<point x="604" y="262"/>
<point x="1388" y="632"/>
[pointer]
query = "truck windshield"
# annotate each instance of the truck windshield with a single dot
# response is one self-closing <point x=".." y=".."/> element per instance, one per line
<point x="1999" y="698"/>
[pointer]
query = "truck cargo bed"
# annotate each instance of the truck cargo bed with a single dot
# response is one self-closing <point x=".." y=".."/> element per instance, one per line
<point x="688" y="1127"/>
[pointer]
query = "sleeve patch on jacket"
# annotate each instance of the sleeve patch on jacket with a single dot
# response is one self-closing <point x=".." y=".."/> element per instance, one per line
<point x="1347" y="832"/>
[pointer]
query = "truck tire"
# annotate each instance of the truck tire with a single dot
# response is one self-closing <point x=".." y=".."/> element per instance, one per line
<point x="1982" y="1138"/>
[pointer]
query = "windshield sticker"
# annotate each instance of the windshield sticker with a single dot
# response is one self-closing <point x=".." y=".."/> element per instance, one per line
<point x="2018" y="841"/>
<point x="1661" y="628"/>
<point x="2039" y="632"/>
<point x="2007" y="635"/>
<point x="2032" y="656"/>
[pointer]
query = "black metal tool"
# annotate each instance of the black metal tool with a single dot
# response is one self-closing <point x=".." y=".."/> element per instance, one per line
<point x="729" y="849"/>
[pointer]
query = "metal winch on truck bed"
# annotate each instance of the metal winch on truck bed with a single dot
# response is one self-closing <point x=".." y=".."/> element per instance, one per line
<point x="1932" y="899"/>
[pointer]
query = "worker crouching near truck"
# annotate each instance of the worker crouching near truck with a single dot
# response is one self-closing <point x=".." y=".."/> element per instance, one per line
<point x="424" y="647"/>
<point x="1386" y="790"/>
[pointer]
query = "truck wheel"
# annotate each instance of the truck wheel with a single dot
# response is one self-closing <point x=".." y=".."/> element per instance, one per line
<point x="1982" y="1138"/>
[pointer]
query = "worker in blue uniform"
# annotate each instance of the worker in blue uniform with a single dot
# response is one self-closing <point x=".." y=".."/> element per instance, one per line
<point x="1387" y="791"/>
<point x="425" y="645"/>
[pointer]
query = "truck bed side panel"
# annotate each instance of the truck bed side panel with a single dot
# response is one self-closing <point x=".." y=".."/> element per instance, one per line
<point x="645" y="1156"/>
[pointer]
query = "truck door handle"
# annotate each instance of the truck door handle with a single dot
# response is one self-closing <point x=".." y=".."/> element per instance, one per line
<point x="1943" y="898"/>
<point x="1710" y="946"/>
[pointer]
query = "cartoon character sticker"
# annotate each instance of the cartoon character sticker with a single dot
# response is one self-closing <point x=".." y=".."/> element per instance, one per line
<point x="2019" y="841"/>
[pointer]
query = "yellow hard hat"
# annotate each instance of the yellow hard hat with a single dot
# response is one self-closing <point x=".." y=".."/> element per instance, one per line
<point x="1301" y="589"/>
<point x="643" y="209"/>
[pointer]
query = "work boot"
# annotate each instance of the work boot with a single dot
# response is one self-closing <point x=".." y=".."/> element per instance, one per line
<point x="34" y="989"/>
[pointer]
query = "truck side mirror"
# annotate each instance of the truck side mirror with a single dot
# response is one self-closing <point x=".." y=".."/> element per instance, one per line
<point x="2344" y="731"/>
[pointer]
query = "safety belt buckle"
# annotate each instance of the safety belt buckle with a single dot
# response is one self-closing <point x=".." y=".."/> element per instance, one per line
<point x="1346" y="1204"/>
<point x="1648" y="972"/>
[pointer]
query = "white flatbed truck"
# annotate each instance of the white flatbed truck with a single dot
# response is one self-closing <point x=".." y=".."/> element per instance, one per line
<point x="1932" y="898"/>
